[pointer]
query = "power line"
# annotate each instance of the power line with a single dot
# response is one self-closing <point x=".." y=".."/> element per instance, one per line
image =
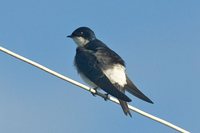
<point x="91" y="89"/>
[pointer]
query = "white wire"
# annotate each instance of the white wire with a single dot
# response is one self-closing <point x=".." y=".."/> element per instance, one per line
<point x="91" y="90"/>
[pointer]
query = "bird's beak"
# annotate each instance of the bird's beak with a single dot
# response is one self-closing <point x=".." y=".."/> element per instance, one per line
<point x="70" y="36"/>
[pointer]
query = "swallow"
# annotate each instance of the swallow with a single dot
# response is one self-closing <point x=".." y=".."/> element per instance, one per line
<point x="101" y="67"/>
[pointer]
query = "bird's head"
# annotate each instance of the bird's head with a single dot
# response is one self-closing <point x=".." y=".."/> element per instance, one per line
<point x="82" y="36"/>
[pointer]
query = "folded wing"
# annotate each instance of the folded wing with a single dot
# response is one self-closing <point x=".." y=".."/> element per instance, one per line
<point x="87" y="64"/>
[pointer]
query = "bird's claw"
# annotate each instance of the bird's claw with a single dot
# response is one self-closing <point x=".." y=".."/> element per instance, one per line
<point x="106" y="97"/>
<point x="94" y="93"/>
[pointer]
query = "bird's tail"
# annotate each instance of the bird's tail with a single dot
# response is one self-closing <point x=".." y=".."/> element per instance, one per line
<point x="131" y="88"/>
<point x="125" y="108"/>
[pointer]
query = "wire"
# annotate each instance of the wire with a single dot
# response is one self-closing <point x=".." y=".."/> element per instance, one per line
<point x="164" y="122"/>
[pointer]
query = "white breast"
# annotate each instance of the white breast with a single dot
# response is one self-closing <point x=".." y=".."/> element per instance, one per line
<point x="116" y="74"/>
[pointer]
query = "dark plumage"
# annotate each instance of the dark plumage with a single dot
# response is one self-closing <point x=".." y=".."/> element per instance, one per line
<point x="92" y="70"/>
<point x="104" y="68"/>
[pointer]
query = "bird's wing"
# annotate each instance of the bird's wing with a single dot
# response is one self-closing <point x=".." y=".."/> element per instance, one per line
<point x="87" y="64"/>
<point x="104" y="53"/>
<point x="131" y="88"/>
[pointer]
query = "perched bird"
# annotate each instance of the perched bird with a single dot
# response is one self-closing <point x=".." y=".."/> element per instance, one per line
<point x="101" y="67"/>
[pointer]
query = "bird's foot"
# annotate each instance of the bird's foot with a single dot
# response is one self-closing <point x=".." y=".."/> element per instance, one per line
<point x="106" y="97"/>
<point x="94" y="93"/>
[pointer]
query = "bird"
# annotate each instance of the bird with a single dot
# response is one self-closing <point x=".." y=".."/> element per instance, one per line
<point x="102" y="68"/>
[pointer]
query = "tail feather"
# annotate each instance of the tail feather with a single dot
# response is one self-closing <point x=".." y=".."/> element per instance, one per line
<point x="125" y="108"/>
<point x="131" y="88"/>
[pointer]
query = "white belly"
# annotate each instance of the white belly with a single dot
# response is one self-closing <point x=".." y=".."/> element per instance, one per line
<point x="116" y="74"/>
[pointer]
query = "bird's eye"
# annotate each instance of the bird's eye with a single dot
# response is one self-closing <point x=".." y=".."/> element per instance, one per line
<point x="81" y="33"/>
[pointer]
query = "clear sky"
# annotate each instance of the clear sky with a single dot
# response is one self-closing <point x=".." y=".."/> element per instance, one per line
<point x="159" y="40"/>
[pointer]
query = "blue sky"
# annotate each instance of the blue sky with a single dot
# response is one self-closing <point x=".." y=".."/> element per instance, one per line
<point x="159" y="40"/>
